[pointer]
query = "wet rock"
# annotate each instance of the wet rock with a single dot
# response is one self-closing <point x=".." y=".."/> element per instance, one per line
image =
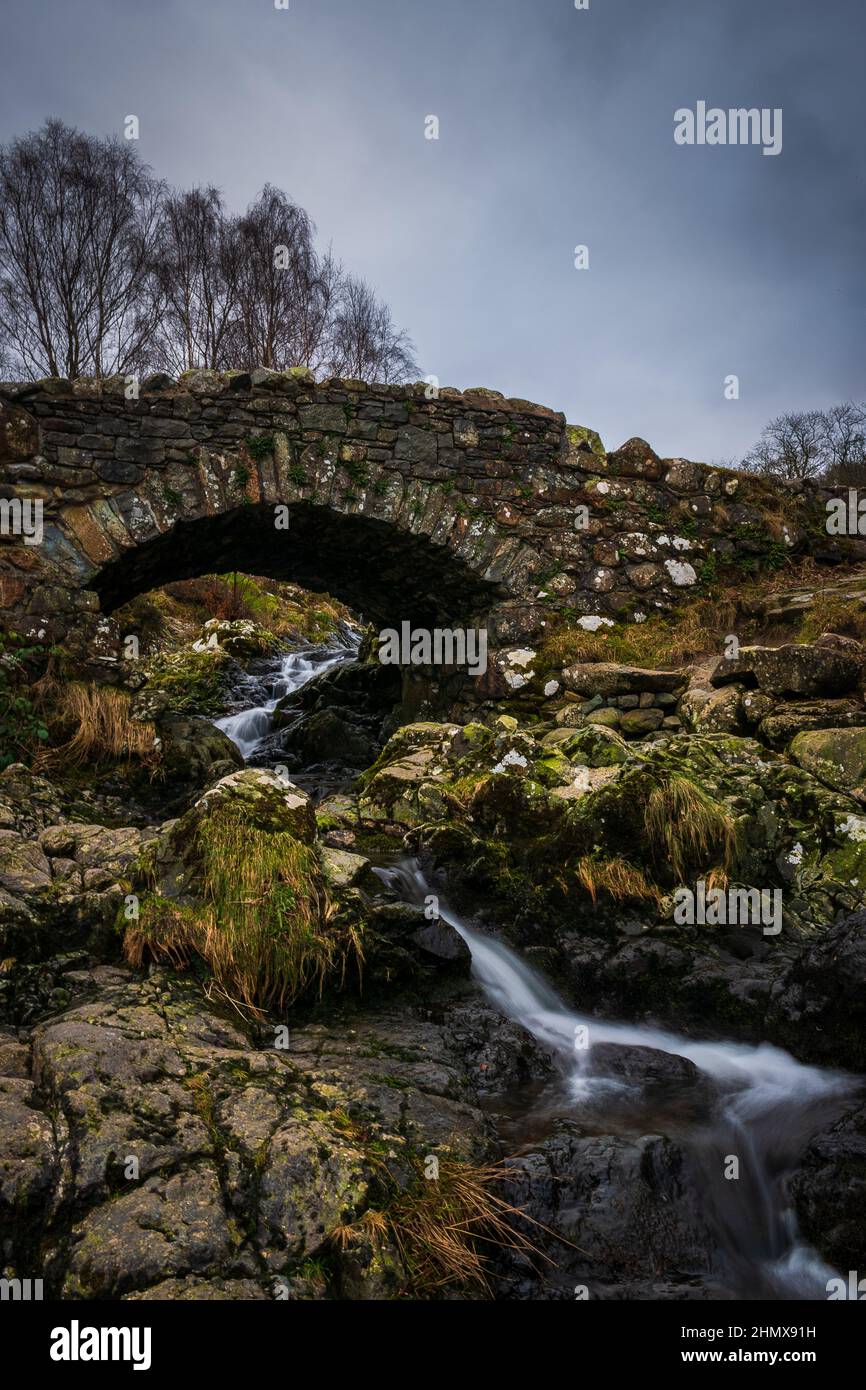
<point x="822" y="996"/>
<point x="633" y="1209"/>
<point x="195" y="754"/>
<point x="439" y="940"/>
<point x="330" y="737"/>
<point x="654" y="1071"/>
<point x="500" y="1057"/>
<point x="828" y="1190"/>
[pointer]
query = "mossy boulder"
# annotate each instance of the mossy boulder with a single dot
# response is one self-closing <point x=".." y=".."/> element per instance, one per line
<point x="791" y="717"/>
<point x="194" y="754"/>
<point x="188" y="681"/>
<point x="239" y="637"/>
<point x="267" y="802"/>
<point x="270" y="802"/>
<point x="594" y="746"/>
<point x="581" y="441"/>
<point x="809" y="669"/>
<point x="836" y="757"/>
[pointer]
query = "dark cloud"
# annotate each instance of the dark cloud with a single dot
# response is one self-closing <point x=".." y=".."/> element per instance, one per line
<point x="556" y="129"/>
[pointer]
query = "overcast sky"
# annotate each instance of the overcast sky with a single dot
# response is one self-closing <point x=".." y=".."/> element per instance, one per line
<point x="555" y="129"/>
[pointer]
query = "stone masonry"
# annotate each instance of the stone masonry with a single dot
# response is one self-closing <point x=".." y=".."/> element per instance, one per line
<point x="468" y="506"/>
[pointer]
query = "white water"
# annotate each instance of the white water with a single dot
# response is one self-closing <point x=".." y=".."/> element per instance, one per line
<point x="767" y="1109"/>
<point x="769" y="1103"/>
<point x="248" y="727"/>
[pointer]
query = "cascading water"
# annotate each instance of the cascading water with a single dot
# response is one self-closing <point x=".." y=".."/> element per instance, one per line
<point x="768" y="1106"/>
<point x="248" y="727"/>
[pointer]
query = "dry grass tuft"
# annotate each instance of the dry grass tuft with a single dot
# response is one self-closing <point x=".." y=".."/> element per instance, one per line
<point x="104" y="732"/>
<point x="686" y="826"/>
<point x="443" y="1227"/>
<point x="266" y="928"/>
<point x="616" y="879"/>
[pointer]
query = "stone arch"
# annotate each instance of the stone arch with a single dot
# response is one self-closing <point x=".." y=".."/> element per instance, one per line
<point x="385" y="574"/>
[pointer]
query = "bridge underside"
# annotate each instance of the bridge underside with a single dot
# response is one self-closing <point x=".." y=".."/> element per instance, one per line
<point x="384" y="575"/>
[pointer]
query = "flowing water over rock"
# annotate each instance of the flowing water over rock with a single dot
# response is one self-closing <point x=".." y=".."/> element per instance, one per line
<point x="251" y="725"/>
<point x="729" y="1107"/>
<point x="755" y="1104"/>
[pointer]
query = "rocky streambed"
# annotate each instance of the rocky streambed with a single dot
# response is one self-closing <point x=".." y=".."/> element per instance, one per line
<point x="676" y="1108"/>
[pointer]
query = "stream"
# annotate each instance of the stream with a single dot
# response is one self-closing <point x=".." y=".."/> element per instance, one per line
<point x="765" y="1105"/>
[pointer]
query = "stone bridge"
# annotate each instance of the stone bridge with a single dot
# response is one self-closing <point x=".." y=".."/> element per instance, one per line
<point x="462" y="509"/>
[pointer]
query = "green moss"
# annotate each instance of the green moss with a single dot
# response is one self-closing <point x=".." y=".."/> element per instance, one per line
<point x="194" y="681"/>
<point x="260" y="445"/>
<point x="264" y="924"/>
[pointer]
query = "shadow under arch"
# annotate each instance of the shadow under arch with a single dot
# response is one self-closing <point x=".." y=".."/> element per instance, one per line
<point x="385" y="575"/>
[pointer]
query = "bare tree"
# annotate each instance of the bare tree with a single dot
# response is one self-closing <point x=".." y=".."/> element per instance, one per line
<point x="363" y="341"/>
<point x="827" y="444"/>
<point x="102" y="270"/>
<point x="791" y="446"/>
<point x="277" y="266"/>
<point x="845" y="444"/>
<point x="197" y="269"/>
<point x="78" y="223"/>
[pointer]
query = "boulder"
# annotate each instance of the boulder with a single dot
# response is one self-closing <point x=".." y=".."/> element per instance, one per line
<point x="836" y="756"/>
<point x="195" y="754"/>
<point x="270" y="801"/>
<point x="794" y="669"/>
<point x="636" y="459"/>
<point x="608" y="678"/>
<point x="720" y="713"/>
<point x="329" y="736"/>
<point x="829" y="1190"/>
<point x="783" y="720"/>
<point x="594" y="746"/>
<point x="636" y="723"/>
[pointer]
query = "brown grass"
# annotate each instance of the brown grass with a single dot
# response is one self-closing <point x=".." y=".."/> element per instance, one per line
<point x="616" y="879"/>
<point x="695" y="630"/>
<point x="266" y="928"/>
<point x="103" y="729"/>
<point x="685" y="825"/>
<point x="443" y="1227"/>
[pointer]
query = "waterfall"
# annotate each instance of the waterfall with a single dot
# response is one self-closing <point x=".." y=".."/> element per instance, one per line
<point x="248" y="727"/>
